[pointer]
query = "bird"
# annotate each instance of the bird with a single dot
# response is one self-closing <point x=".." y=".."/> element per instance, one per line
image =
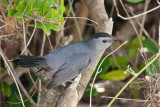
<point x="69" y="61"/>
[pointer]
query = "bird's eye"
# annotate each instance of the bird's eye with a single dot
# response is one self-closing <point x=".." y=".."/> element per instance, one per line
<point x="104" y="41"/>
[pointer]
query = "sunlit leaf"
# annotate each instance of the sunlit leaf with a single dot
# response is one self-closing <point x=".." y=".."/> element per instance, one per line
<point x="18" y="15"/>
<point x="46" y="29"/>
<point x="11" y="11"/>
<point x="21" y="7"/>
<point x="135" y="1"/>
<point x="54" y="27"/>
<point x="56" y="1"/>
<point x="38" y="25"/>
<point x="16" y="1"/>
<point x="115" y="75"/>
<point x="45" y="6"/>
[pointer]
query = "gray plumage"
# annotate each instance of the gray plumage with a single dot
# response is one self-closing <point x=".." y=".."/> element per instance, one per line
<point x="68" y="61"/>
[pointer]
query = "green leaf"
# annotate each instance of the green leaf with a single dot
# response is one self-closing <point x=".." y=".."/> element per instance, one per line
<point x="38" y="25"/>
<point x="153" y="68"/>
<point x="121" y="60"/>
<point x="19" y="20"/>
<point x="135" y="1"/>
<point x="56" y="2"/>
<point x="45" y="6"/>
<point x="11" y="11"/>
<point x="16" y="2"/>
<point x="87" y="92"/>
<point x="21" y="7"/>
<point x="62" y="21"/>
<point x="133" y="52"/>
<point x="14" y="99"/>
<point x="46" y="29"/>
<point x="52" y="13"/>
<point x="5" y="89"/>
<point x="53" y="27"/>
<point x="29" y="14"/>
<point x="61" y="10"/>
<point x="18" y="15"/>
<point x="150" y="46"/>
<point x="31" y="4"/>
<point x="5" y="3"/>
<point x="116" y="75"/>
<point x="105" y="66"/>
<point x="133" y="47"/>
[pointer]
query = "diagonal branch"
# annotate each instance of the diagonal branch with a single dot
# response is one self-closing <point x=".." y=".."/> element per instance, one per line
<point x="98" y="14"/>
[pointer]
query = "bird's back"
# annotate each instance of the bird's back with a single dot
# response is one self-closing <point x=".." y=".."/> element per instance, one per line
<point x="59" y="56"/>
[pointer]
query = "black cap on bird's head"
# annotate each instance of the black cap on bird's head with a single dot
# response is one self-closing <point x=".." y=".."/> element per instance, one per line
<point x="102" y="40"/>
<point x="103" y="34"/>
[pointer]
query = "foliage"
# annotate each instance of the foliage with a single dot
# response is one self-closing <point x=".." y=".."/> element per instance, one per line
<point x="135" y="1"/>
<point x="48" y="13"/>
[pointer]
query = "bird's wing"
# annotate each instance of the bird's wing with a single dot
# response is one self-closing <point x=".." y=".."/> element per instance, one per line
<point x="75" y="64"/>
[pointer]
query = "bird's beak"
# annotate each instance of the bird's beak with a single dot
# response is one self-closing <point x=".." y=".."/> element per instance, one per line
<point x="117" y="39"/>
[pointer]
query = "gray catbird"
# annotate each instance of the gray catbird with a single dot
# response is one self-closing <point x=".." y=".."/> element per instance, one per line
<point x="68" y="61"/>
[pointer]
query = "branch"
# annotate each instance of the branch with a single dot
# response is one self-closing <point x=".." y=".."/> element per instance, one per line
<point x="98" y="14"/>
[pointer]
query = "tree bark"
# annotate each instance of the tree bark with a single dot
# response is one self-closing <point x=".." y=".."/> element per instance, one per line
<point x="71" y="96"/>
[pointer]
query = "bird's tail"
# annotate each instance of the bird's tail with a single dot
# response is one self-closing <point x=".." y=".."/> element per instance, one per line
<point x="30" y="61"/>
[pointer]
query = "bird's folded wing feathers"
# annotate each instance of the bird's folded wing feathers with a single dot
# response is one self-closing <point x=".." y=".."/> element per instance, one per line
<point x="71" y="68"/>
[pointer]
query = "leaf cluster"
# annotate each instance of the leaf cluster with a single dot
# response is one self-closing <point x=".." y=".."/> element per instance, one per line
<point x="48" y="13"/>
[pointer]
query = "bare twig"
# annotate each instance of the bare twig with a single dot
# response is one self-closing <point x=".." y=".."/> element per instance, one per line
<point x="68" y="12"/>
<point x="85" y="18"/>
<point x="30" y="38"/>
<point x="127" y="99"/>
<point x="132" y="24"/>
<point x="6" y="24"/>
<point x="9" y="70"/>
<point x="50" y="43"/>
<point x="75" y="21"/>
<point x="39" y="93"/>
<point x="158" y="2"/>
<point x="24" y="30"/>
<point x="3" y="36"/>
<point x="128" y="18"/>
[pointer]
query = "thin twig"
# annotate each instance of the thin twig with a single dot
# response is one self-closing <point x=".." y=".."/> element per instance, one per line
<point x="6" y="24"/>
<point x="50" y="43"/>
<point x="9" y="70"/>
<point x="75" y="21"/>
<point x="127" y="99"/>
<point x="98" y="70"/>
<point x="30" y="37"/>
<point x="39" y="93"/>
<point x="128" y="18"/>
<point x="132" y="24"/>
<point x="3" y="36"/>
<point x="135" y="76"/>
<point x="82" y="18"/>
<point x="24" y="30"/>
<point x="19" y="99"/>
<point x="70" y="7"/>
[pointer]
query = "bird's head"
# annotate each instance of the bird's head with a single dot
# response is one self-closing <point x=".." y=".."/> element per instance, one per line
<point x="102" y="41"/>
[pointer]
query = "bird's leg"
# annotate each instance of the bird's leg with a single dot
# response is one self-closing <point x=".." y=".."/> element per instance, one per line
<point x="73" y="80"/>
